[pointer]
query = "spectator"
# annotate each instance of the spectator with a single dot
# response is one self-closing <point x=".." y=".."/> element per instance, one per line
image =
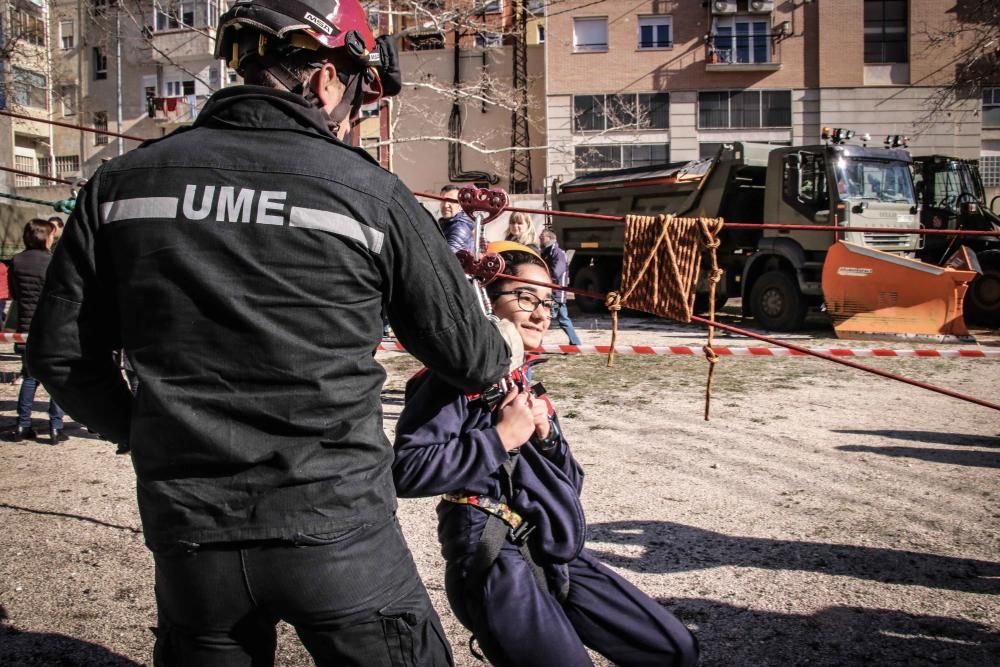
<point x="242" y="263"/>
<point x="555" y="257"/>
<point x="460" y="229"/>
<point x="4" y="294"/>
<point x="521" y="229"/>
<point x="58" y="225"/>
<point x="26" y="279"/>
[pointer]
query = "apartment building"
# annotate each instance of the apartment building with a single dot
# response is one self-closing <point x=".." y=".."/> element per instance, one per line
<point x="453" y="122"/>
<point x="670" y="80"/>
<point x="141" y="69"/>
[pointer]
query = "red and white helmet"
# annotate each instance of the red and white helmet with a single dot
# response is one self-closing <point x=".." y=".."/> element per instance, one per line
<point x="316" y="25"/>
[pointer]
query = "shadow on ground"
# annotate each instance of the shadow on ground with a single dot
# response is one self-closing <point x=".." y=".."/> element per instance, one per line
<point x="674" y="547"/>
<point x="957" y="457"/>
<point x="731" y="635"/>
<point x="43" y="649"/>
<point x="931" y="437"/>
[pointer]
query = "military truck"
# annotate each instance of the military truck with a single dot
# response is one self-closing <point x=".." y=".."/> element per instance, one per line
<point x="951" y="196"/>
<point x="776" y="272"/>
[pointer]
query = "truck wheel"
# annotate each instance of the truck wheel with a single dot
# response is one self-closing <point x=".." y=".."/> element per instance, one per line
<point x="776" y="303"/>
<point x="588" y="278"/>
<point x="982" y="301"/>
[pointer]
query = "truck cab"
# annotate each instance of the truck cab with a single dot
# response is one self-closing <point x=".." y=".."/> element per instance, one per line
<point x="836" y="184"/>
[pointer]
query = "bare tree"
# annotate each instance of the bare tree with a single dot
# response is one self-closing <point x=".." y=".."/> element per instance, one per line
<point x="969" y="49"/>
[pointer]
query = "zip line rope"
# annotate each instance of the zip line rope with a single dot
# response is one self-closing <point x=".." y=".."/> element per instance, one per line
<point x="741" y="225"/>
<point x="71" y="126"/>
<point x="774" y="341"/>
<point x="565" y="214"/>
<point x="42" y="176"/>
<point x="603" y="297"/>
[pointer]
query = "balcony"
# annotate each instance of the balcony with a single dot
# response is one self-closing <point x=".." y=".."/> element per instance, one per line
<point x="175" y="110"/>
<point x="756" y="53"/>
<point x="183" y="45"/>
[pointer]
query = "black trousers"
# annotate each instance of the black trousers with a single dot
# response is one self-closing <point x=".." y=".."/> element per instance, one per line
<point x="354" y="598"/>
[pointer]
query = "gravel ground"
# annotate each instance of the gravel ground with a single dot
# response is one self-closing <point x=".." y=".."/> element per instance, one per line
<point x="822" y="516"/>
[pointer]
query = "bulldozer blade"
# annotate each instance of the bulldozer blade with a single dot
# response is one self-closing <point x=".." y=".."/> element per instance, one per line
<point x="874" y="294"/>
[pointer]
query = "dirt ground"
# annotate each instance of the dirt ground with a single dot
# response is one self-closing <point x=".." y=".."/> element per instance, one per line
<point x="822" y="517"/>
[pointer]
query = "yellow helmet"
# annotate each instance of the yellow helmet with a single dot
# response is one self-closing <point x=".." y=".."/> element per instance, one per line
<point x="508" y="246"/>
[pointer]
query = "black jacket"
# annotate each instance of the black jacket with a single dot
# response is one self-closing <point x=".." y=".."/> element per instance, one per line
<point x="25" y="279"/>
<point x="243" y="264"/>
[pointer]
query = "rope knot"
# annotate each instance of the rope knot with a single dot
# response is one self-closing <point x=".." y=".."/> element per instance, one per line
<point x="710" y="354"/>
<point x="613" y="301"/>
<point x="715" y="275"/>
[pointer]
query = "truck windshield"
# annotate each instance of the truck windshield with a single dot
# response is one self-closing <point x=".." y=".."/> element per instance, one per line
<point x="953" y="185"/>
<point x="880" y="180"/>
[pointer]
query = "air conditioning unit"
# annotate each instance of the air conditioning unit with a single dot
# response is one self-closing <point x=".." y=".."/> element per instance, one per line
<point x="723" y="6"/>
<point x="761" y="6"/>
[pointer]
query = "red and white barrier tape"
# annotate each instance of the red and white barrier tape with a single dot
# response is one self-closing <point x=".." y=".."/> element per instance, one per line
<point x="688" y="350"/>
<point x="392" y="346"/>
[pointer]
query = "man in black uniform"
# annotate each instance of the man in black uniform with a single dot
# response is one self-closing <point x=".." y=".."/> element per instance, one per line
<point x="242" y="264"/>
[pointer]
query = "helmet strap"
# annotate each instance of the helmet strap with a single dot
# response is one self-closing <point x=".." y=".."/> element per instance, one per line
<point x="350" y="103"/>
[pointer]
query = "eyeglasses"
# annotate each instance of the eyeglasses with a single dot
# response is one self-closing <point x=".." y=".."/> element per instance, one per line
<point x="528" y="302"/>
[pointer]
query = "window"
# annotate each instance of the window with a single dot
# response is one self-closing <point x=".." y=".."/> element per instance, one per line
<point x="488" y="40"/>
<point x="67" y="99"/>
<point x="541" y="33"/>
<point x="492" y="7"/>
<point x="885" y="31"/>
<point x="741" y="39"/>
<point x="642" y="111"/>
<point x="101" y="123"/>
<point x="989" y="170"/>
<point x="590" y="34"/>
<point x="67" y="164"/>
<point x="44" y="167"/>
<point x="600" y="157"/>
<point x="655" y="32"/>
<point x="29" y="89"/>
<point x="25" y="163"/>
<point x="177" y="14"/>
<point x="426" y="41"/>
<point x="745" y="109"/>
<point x="991" y="107"/>
<point x="100" y="64"/>
<point x="66" y="34"/>
<point x="180" y="88"/>
<point x="25" y="25"/>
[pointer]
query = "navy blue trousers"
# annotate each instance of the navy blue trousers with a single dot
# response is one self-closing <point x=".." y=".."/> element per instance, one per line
<point x="354" y="598"/>
<point x="517" y="624"/>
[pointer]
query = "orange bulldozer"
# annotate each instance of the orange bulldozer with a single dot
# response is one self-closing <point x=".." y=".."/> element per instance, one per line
<point x="873" y="294"/>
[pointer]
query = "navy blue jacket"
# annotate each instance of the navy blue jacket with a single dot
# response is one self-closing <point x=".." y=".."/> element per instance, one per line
<point x="555" y="257"/>
<point x="461" y="232"/>
<point x="447" y="443"/>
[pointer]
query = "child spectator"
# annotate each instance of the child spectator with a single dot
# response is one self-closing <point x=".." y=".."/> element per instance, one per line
<point x="511" y="525"/>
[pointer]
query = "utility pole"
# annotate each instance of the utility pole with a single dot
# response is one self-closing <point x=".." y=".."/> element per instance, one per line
<point x="520" y="160"/>
<point x="118" y="74"/>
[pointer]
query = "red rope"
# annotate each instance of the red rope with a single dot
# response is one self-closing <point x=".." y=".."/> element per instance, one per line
<point x="775" y="341"/>
<point x="69" y="125"/>
<point x="743" y="225"/>
<point x="43" y="176"/>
